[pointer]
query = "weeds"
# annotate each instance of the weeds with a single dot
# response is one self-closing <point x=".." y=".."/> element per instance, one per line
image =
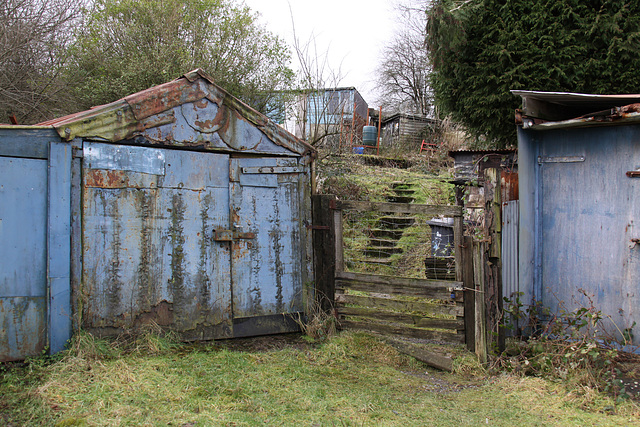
<point x="573" y="346"/>
<point x="319" y="324"/>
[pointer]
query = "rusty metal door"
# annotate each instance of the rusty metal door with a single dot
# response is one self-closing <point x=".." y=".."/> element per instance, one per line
<point x="266" y="269"/>
<point x="149" y="216"/>
<point x="23" y="257"/>
<point x="177" y="238"/>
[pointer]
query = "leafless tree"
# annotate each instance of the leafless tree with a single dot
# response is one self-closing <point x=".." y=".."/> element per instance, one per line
<point x="403" y="73"/>
<point x="33" y="38"/>
<point x="318" y="110"/>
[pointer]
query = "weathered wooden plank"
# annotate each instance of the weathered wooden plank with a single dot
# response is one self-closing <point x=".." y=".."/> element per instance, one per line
<point x="479" y="315"/>
<point x="339" y="245"/>
<point x="401" y="305"/>
<point x="457" y="250"/>
<point x="387" y="329"/>
<point x="420" y="353"/>
<point x="469" y="294"/>
<point x="441" y="293"/>
<point x="323" y="250"/>
<point x="398" y="281"/>
<point x="432" y="210"/>
<point x="403" y="318"/>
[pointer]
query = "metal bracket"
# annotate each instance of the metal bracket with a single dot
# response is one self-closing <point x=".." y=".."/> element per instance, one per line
<point x="228" y="235"/>
<point x="77" y="152"/>
<point x="317" y="227"/>
<point x="560" y="159"/>
<point x="273" y="169"/>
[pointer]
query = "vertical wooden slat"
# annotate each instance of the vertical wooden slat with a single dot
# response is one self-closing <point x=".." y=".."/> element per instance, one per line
<point x="457" y="240"/>
<point x="480" y="318"/>
<point x="339" y="248"/>
<point x="469" y="293"/>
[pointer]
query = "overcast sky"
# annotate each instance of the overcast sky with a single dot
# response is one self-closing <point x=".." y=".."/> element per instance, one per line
<point x="352" y="31"/>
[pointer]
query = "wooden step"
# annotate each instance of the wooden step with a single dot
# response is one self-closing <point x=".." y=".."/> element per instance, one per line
<point x="388" y="234"/>
<point x="403" y="191"/>
<point x="400" y="199"/>
<point x="383" y="242"/>
<point x="401" y="185"/>
<point x="383" y="261"/>
<point x="381" y="252"/>
<point x="395" y="222"/>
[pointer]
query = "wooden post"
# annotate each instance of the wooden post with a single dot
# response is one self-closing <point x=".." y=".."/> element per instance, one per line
<point x="469" y="293"/>
<point x="323" y="249"/>
<point x="457" y="245"/>
<point x="493" y="230"/>
<point x="338" y="246"/>
<point x="480" y="318"/>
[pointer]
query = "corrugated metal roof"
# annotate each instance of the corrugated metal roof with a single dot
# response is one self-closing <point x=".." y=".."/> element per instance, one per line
<point x="579" y="99"/>
<point x="416" y="117"/>
<point x="123" y="119"/>
<point x="553" y="110"/>
<point x="503" y="151"/>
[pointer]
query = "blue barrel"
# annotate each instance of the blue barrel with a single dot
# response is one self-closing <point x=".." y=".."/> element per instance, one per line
<point x="369" y="136"/>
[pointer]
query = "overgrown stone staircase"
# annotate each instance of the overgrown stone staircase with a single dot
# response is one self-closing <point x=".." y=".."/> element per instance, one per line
<point x="383" y="242"/>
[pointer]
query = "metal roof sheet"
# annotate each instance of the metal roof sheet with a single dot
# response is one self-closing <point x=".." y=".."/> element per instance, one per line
<point x="125" y="118"/>
<point x="553" y="110"/>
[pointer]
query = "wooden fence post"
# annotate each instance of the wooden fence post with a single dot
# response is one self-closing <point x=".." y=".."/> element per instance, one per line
<point x="324" y="263"/>
<point x="479" y="249"/>
<point x="493" y="269"/>
<point x="458" y="231"/>
<point x="469" y="293"/>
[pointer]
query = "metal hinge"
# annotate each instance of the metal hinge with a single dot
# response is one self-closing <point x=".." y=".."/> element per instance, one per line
<point x="315" y="227"/>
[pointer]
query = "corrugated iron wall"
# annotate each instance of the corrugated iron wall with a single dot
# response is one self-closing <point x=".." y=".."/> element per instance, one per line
<point x="510" y="285"/>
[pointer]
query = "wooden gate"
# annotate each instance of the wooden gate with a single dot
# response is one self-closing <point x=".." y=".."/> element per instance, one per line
<point x="394" y="294"/>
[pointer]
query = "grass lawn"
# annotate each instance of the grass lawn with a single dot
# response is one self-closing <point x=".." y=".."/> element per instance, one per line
<point x="353" y="379"/>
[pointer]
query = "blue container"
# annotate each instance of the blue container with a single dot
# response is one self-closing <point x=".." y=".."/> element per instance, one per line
<point x="358" y="150"/>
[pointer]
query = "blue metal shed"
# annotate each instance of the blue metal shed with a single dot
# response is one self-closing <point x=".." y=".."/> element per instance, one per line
<point x="579" y="163"/>
<point x="179" y="206"/>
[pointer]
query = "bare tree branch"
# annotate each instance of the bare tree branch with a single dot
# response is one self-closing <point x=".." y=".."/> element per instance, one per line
<point x="403" y="74"/>
<point x="33" y="37"/>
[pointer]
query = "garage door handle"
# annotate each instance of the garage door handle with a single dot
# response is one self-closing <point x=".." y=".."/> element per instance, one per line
<point x="228" y="235"/>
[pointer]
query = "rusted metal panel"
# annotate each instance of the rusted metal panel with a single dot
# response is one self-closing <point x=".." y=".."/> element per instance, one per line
<point x="509" y="186"/>
<point x="149" y="254"/>
<point x="267" y="271"/>
<point x="124" y="158"/>
<point x="23" y="256"/>
<point x="190" y="111"/>
<point x="212" y="126"/>
<point x="175" y="251"/>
